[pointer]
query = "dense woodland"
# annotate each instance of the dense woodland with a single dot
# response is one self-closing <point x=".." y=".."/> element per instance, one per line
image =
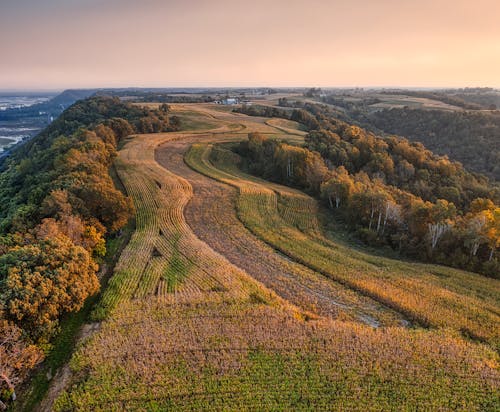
<point x="391" y="191"/>
<point x="263" y="111"/>
<point x="472" y="138"/>
<point x="59" y="204"/>
<point x="166" y="98"/>
<point x="468" y="136"/>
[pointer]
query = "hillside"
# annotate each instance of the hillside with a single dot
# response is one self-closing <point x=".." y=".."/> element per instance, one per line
<point x="472" y="138"/>
<point x="390" y="191"/>
<point x="460" y="123"/>
<point x="52" y="107"/>
<point x="235" y="293"/>
<point x="60" y="212"/>
<point x="271" y="206"/>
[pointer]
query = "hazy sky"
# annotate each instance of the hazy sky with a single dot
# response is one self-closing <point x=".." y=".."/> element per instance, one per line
<point x="103" y="43"/>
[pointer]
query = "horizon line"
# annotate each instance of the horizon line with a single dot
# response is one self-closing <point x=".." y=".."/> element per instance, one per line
<point x="395" y="87"/>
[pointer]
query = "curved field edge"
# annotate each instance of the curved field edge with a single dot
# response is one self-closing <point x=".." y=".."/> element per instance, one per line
<point x="211" y="213"/>
<point x="418" y="291"/>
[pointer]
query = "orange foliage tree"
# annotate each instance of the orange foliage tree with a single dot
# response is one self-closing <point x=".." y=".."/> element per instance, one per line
<point x="45" y="279"/>
<point x="17" y="357"/>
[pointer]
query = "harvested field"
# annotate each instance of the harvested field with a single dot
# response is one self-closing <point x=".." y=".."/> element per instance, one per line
<point x="251" y="356"/>
<point x="211" y="214"/>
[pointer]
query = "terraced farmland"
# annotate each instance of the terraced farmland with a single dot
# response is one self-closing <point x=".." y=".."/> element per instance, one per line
<point x="230" y="297"/>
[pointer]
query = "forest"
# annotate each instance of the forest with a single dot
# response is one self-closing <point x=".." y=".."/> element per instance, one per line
<point x="470" y="137"/>
<point x="392" y="192"/>
<point x="59" y="206"/>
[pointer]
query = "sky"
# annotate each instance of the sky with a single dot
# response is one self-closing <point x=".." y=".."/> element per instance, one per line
<point x="57" y="44"/>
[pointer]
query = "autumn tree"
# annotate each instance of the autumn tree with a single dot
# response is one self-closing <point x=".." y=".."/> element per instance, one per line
<point x="442" y="216"/>
<point x="43" y="280"/>
<point x="315" y="171"/>
<point x="56" y="204"/>
<point x="369" y="205"/>
<point x="89" y="235"/>
<point x="121" y="127"/>
<point x="483" y="226"/>
<point x="338" y="188"/>
<point x="17" y="358"/>
<point x="98" y="198"/>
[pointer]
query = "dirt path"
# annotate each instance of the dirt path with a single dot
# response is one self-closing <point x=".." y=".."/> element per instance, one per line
<point x="62" y="379"/>
<point x="211" y="214"/>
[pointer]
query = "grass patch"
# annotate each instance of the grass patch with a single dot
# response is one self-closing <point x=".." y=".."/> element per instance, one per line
<point x="178" y="268"/>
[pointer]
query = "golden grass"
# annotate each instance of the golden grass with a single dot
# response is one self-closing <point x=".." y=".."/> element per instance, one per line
<point x="250" y="356"/>
<point x="211" y="214"/>
<point x="163" y="253"/>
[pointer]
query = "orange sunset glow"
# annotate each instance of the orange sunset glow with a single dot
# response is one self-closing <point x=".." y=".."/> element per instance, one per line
<point x="249" y="205"/>
<point x="429" y="43"/>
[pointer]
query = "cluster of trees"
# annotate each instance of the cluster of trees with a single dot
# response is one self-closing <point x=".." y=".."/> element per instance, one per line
<point x="391" y="191"/>
<point x="313" y="92"/>
<point x="311" y="114"/>
<point x="170" y="98"/>
<point x="262" y="111"/>
<point x="287" y="110"/>
<point x="17" y="357"/>
<point x="351" y="105"/>
<point x="58" y="204"/>
<point x="469" y="137"/>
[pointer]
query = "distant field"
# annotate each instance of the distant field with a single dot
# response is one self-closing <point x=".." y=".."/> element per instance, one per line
<point x="187" y="324"/>
<point x="288" y="126"/>
<point x="390" y="101"/>
<point x="415" y="102"/>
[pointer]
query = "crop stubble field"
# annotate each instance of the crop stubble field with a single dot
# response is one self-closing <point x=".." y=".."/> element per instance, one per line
<point x="230" y="297"/>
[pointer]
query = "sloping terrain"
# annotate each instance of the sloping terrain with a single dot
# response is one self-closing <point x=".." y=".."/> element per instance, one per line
<point x="426" y="294"/>
<point x="229" y="296"/>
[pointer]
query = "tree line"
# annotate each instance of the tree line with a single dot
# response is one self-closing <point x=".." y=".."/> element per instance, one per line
<point x="392" y="192"/>
<point x="59" y="203"/>
<point x="469" y="137"/>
